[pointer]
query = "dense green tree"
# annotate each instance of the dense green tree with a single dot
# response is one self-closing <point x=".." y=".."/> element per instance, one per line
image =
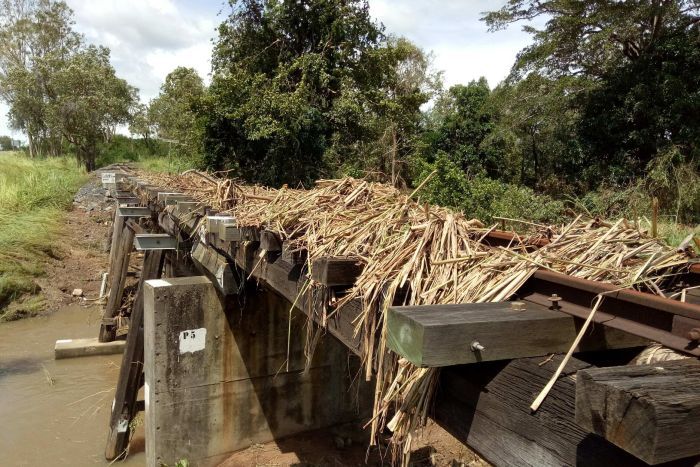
<point x="90" y="102"/>
<point x="378" y="128"/>
<point x="6" y="143"/>
<point x="647" y="107"/>
<point x="36" y="37"/>
<point x="279" y="66"/>
<point x="176" y="113"/>
<point x="589" y="38"/>
<point x="58" y="89"/>
<point x="604" y="88"/>
<point x="538" y="116"/>
<point x="463" y="119"/>
<point x="303" y="89"/>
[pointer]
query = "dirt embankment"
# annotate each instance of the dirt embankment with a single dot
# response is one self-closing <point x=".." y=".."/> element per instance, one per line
<point x="78" y="257"/>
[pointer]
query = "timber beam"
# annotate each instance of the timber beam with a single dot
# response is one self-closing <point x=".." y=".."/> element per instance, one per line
<point x="216" y="267"/>
<point x="336" y="270"/>
<point x="235" y="233"/>
<point x="444" y="335"/>
<point x="651" y="411"/>
<point x="270" y="241"/>
<point x="487" y="407"/>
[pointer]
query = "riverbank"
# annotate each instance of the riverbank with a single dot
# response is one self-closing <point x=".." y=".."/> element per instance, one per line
<point x="35" y="197"/>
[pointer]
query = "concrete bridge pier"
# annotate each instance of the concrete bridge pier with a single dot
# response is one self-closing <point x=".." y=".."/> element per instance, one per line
<point x="217" y="378"/>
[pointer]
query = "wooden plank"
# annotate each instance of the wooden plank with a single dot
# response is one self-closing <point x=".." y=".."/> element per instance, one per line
<point x="487" y="406"/>
<point x="292" y="255"/>
<point x="336" y="270"/>
<point x="443" y="335"/>
<point x="130" y="379"/>
<point x="117" y="227"/>
<point x="216" y="268"/>
<point x="117" y="279"/>
<point x="288" y="280"/>
<point x="651" y="411"/>
<point x="693" y="296"/>
<point x="86" y="347"/>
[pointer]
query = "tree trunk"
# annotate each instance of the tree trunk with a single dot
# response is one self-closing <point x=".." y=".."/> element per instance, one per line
<point x="90" y="156"/>
<point x="536" y="159"/>
<point x="393" y="156"/>
<point x="32" y="149"/>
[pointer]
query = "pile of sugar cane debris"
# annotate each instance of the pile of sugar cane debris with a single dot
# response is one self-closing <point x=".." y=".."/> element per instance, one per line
<point x="432" y="254"/>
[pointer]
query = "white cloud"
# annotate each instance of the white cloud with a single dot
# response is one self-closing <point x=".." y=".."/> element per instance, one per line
<point x="460" y="42"/>
<point x="148" y="39"/>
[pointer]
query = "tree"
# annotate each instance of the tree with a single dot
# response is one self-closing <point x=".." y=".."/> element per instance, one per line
<point x="648" y="107"/>
<point x="589" y="38"/>
<point x="90" y="102"/>
<point x="36" y="37"/>
<point x="462" y="121"/>
<point x="6" y="143"/>
<point x="176" y="113"/>
<point x="141" y="124"/>
<point x="279" y="67"/>
<point x="542" y="116"/>
<point x="378" y="128"/>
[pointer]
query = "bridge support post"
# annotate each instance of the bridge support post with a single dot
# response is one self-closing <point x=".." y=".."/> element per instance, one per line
<point x="218" y="377"/>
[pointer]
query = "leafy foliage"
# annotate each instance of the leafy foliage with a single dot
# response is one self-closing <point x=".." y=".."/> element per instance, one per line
<point x="6" y="143"/>
<point x="485" y="198"/>
<point x="176" y="114"/>
<point x="590" y="38"/>
<point x="646" y="107"/>
<point x="303" y="89"/>
<point x="57" y="87"/>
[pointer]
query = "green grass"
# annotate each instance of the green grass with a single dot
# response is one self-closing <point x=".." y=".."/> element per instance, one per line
<point x="165" y="164"/>
<point x="155" y="155"/>
<point x="674" y="234"/>
<point x="34" y="198"/>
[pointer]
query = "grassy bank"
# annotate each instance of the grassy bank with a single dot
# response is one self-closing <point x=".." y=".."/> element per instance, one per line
<point x="34" y="198"/>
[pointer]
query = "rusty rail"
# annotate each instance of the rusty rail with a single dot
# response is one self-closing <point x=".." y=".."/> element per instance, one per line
<point x="669" y="322"/>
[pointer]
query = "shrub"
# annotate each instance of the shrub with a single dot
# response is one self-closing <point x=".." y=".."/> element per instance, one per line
<point x="484" y="198"/>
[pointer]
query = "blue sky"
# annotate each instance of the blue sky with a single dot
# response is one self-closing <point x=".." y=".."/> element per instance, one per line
<point x="149" y="38"/>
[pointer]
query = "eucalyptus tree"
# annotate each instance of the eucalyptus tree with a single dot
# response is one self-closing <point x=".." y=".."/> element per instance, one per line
<point x="36" y="38"/>
<point x="91" y="101"/>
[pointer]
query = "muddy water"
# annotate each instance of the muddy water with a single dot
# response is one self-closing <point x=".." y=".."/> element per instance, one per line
<point x="55" y="412"/>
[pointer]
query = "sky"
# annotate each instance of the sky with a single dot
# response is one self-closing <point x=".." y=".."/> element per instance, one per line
<point x="148" y="39"/>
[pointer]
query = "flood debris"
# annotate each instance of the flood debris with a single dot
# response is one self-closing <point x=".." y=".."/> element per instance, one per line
<point x="421" y="254"/>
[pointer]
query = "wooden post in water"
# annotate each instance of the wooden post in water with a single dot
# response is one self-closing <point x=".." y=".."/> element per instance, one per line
<point x="117" y="279"/>
<point x="130" y="380"/>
